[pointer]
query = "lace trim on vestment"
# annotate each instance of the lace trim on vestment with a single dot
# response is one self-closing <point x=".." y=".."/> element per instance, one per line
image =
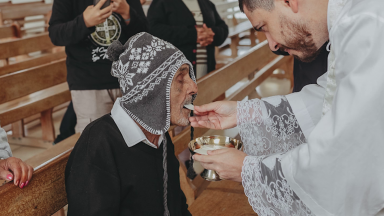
<point x="268" y="130"/>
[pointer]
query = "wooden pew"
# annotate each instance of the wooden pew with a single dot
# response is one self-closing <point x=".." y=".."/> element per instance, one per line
<point x="32" y="91"/>
<point x="32" y="62"/>
<point x="21" y="47"/>
<point x="18" y="12"/>
<point x="237" y="30"/>
<point x="10" y="31"/>
<point x="227" y="11"/>
<point x="26" y="45"/>
<point x="234" y="34"/>
<point x="45" y="193"/>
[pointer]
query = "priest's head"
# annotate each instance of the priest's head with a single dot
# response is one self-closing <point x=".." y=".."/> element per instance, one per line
<point x="298" y="27"/>
<point x="156" y="81"/>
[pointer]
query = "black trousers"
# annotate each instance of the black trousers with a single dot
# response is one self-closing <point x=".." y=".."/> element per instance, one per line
<point x="67" y="126"/>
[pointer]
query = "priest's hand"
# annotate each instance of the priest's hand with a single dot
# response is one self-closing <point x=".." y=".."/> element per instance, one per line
<point x="228" y="162"/>
<point x="15" y="169"/>
<point x="218" y="115"/>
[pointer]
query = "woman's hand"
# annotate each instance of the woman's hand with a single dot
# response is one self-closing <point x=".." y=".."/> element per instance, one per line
<point x="205" y="35"/>
<point x="227" y="163"/>
<point x="15" y="169"/>
<point x="218" y="115"/>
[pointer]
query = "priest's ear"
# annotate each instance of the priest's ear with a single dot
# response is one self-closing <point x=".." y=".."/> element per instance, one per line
<point x="292" y="5"/>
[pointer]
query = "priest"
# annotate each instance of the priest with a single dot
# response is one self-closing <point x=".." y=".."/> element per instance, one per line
<point x="318" y="151"/>
<point x="124" y="163"/>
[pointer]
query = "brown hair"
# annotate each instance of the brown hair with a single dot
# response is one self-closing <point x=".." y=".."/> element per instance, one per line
<point x="251" y="5"/>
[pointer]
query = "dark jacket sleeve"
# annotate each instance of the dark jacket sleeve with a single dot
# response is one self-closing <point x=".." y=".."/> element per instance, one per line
<point x="92" y="184"/>
<point x="64" y="29"/>
<point x="138" y="22"/>
<point x="220" y="29"/>
<point x="159" y="27"/>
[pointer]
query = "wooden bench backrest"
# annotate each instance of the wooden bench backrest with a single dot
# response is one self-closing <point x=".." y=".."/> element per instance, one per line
<point x="25" y="82"/>
<point x="228" y="9"/>
<point x="222" y="8"/>
<point x="10" y="31"/>
<point x="16" y="12"/>
<point x="32" y="62"/>
<point x="25" y="45"/>
<point x="237" y="29"/>
<point x="45" y="194"/>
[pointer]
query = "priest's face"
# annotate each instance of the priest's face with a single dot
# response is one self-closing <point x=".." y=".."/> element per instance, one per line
<point x="182" y="89"/>
<point x="291" y="30"/>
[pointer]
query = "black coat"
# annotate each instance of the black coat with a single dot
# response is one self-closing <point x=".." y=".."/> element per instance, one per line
<point x="308" y="73"/>
<point x="305" y="73"/>
<point x="105" y="177"/>
<point x="171" y="20"/>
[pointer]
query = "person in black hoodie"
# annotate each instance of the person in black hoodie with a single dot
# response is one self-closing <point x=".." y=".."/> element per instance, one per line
<point x="86" y="31"/>
<point x="193" y="26"/>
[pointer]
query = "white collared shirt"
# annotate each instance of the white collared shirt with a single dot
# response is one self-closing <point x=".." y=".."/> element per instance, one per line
<point x="131" y="132"/>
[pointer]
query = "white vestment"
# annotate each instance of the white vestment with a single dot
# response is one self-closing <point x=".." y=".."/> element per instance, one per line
<point x="320" y="151"/>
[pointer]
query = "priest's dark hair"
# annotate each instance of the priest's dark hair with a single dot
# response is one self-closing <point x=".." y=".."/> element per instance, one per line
<point x="251" y="5"/>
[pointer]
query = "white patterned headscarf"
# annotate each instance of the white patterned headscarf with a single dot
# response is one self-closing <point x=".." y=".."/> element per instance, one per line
<point x="145" y="67"/>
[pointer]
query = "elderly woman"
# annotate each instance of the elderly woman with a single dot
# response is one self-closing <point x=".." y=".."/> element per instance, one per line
<point x="12" y="168"/>
<point x="124" y="162"/>
<point x="193" y="26"/>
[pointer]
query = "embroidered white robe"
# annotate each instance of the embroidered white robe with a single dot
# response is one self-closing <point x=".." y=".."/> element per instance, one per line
<point x="320" y="151"/>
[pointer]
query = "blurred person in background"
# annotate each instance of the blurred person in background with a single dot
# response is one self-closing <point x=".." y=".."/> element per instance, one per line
<point x="193" y="26"/>
<point x="86" y="31"/>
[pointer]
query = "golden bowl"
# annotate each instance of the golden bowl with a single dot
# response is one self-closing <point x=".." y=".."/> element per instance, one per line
<point x="211" y="143"/>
